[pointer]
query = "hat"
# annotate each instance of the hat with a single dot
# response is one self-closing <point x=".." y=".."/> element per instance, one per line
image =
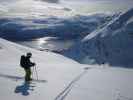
<point x="29" y="54"/>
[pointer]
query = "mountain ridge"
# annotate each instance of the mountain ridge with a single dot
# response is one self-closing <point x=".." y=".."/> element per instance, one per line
<point x="110" y="44"/>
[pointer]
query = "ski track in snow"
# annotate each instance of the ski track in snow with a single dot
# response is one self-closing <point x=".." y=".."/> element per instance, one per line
<point x="66" y="91"/>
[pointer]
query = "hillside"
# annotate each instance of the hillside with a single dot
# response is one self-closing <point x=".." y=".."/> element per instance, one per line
<point x="64" y="78"/>
<point x="111" y="44"/>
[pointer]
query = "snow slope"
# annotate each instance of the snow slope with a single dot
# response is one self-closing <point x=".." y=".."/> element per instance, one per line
<point x="111" y="44"/>
<point x="53" y="65"/>
<point x="65" y="79"/>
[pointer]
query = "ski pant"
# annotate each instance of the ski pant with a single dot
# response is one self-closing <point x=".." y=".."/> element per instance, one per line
<point x="28" y="74"/>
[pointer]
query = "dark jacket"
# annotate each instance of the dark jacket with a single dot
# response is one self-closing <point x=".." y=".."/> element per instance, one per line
<point x="26" y="63"/>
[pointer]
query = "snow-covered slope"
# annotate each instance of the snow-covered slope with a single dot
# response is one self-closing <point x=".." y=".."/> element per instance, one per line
<point x="111" y="44"/>
<point x="50" y="67"/>
<point x="65" y="79"/>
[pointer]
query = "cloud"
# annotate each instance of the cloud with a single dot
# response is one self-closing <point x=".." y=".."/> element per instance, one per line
<point x="50" y="1"/>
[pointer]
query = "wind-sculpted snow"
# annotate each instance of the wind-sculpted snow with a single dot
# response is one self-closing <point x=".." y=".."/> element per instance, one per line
<point x="73" y="27"/>
<point x="111" y="44"/>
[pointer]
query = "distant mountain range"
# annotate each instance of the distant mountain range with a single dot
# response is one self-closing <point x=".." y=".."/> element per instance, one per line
<point x="74" y="27"/>
<point x="102" y="38"/>
<point x="111" y="44"/>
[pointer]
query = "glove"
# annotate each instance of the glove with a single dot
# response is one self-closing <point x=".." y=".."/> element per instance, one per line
<point x="34" y="64"/>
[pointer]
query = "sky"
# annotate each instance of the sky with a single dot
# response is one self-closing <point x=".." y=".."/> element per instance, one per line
<point x="87" y="6"/>
<point x="38" y="8"/>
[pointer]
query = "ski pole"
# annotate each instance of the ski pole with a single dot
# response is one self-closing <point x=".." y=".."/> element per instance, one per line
<point x="36" y="72"/>
<point x="32" y="73"/>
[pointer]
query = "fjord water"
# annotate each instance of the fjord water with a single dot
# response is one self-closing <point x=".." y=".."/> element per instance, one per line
<point x="49" y="43"/>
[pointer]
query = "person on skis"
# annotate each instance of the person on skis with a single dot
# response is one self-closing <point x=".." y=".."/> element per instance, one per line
<point x="26" y="63"/>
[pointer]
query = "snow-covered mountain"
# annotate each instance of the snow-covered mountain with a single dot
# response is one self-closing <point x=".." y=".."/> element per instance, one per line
<point x="111" y="44"/>
<point x="104" y="39"/>
<point x="71" y="27"/>
<point x="64" y="78"/>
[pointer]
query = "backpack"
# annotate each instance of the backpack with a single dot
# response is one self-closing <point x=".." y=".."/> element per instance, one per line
<point x="22" y="61"/>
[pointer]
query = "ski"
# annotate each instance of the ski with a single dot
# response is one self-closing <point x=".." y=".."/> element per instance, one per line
<point x="18" y="78"/>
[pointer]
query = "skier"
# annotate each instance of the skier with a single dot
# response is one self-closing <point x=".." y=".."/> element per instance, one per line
<point x="26" y="63"/>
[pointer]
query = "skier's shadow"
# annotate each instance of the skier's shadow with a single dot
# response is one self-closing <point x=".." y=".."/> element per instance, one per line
<point x="24" y="89"/>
